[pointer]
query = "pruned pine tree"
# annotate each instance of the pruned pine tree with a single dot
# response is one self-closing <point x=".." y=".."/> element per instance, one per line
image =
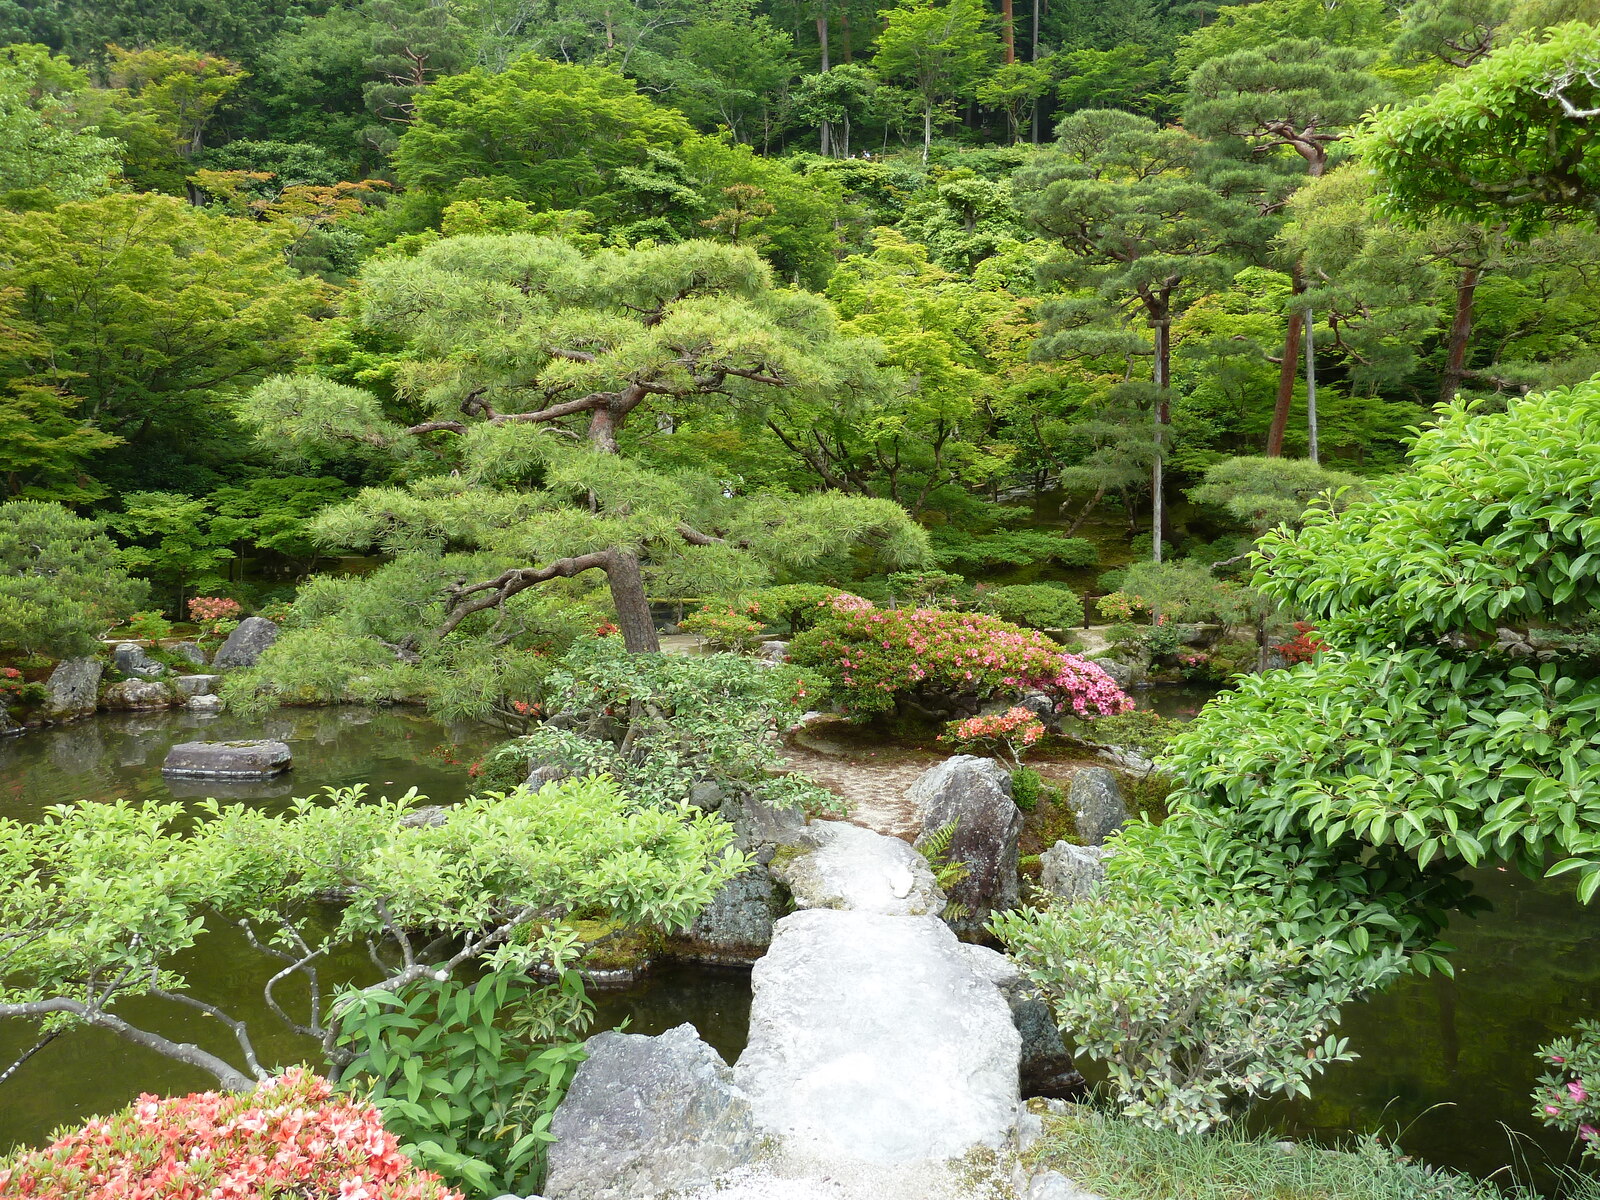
<point x="528" y="370"/>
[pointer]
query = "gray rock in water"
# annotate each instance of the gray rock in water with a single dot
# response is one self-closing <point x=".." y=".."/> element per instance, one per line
<point x="736" y="927"/>
<point x="1123" y="674"/>
<point x="73" y="689"/>
<point x="136" y="695"/>
<point x="8" y="727"/>
<point x="1072" y="872"/>
<point x="227" y="760"/>
<point x="774" y="651"/>
<point x="645" y="1116"/>
<point x="428" y="815"/>
<point x="855" y="868"/>
<point x="209" y="703"/>
<point x="130" y="659"/>
<point x="191" y="652"/>
<point x="196" y="685"/>
<point x="1096" y="799"/>
<point x="975" y="794"/>
<point x="874" y="1039"/>
<point x="245" y="644"/>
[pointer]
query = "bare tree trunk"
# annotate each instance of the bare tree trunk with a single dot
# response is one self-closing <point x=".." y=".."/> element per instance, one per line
<point x="1033" y="53"/>
<point x="633" y="608"/>
<point x="844" y="34"/>
<point x="822" y="40"/>
<point x="927" y="129"/>
<point x="1163" y="414"/>
<point x="1455" y="367"/>
<point x="1008" y="33"/>
<point x="1311" y="390"/>
<point x="1286" y="374"/>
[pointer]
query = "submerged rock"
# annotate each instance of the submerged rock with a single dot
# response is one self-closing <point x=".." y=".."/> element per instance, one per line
<point x="646" y="1116"/>
<point x="857" y="869"/>
<point x="197" y="685"/>
<point x="227" y="760"/>
<point x="246" y="644"/>
<point x="73" y="689"/>
<point x="1096" y="799"/>
<point x="975" y="795"/>
<point x="873" y="1038"/>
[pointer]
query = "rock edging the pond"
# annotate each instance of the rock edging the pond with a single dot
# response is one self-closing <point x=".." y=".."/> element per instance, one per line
<point x="227" y="760"/>
<point x="883" y="1062"/>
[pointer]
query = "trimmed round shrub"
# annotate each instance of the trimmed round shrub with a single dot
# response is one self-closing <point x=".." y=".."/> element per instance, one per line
<point x="1037" y="605"/>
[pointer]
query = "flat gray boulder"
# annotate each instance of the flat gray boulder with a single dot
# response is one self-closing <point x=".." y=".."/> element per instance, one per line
<point x="190" y="686"/>
<point x="73" y="689"/>
<point x="1072" y="872"/>
<point x="138" y="695"/>
<point x="858" y="869"/>
<point x="645" y="1116"/>
<point x="974" y="794"/>
<point x="245" y="644"/>
<point x="874" y="1039"/>
<point x="1096" y="800"/>
<point x="227" y="760"/>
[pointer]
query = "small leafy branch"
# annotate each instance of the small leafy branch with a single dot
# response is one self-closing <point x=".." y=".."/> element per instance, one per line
<point x="1017" y="729"/>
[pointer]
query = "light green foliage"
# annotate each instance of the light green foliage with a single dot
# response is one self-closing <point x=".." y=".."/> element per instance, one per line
<point x="161" y="101"/>
<point x="44" y="143"/>
<point x="939" y="50"/>
<point x="61" y="585"/>
<point x="1036" y="605"/>
<point x="555" y="134"/>
<point x="171" y="543"/>
<point x="1260" y="493"/>
<point x="1360" y="24"/>
<point x="153" y="311"/>
<point x="1124" y="1158"/>
<point x="463" y="1075"/>
<point x="131" y="890"/>
<point x="1503" y="140"/>
<point x="727" y="69"/>
<point x="1189" y="1008"/>
<point x="661" y="723"/>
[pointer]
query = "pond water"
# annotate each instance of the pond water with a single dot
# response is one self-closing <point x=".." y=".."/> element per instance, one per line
<point x="1447" y="1064"/>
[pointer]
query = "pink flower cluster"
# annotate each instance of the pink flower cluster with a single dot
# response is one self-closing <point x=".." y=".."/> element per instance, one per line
<point x="290" y="1137"/>
<point x="1017" y="723"/>
<point x="871" y="654"/>
<point x="212" y="608"/>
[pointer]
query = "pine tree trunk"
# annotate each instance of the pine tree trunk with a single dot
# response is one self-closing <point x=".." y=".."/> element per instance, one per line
<point x="633" y="609"/>
<point x="1455" y="367"/>
<point x="1287" y="370"/>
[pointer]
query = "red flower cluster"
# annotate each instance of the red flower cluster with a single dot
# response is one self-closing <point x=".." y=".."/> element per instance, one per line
<point x="290" y="1137"/>
<point x="1304" y="646"/>
<point x="871" y="654"/>
<point x="212" y="608"/>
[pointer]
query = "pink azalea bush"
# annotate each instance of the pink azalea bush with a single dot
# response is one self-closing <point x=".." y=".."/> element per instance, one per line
<point x="874" y="659"/>
<point x="291" y="1137"/>
<point x="1018" y="729"/>
<point x="1568" y="1095"/>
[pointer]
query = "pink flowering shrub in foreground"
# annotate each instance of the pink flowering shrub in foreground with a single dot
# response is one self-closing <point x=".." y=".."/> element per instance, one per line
<point x="1568" y="1095"/>
<point x="291" y="1137"/>
<point x="879" y="660"/>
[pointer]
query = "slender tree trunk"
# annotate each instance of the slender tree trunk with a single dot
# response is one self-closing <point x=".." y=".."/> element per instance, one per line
<point x="844" y="36"/>
<point x="822" y="40"/>
<point x="927" y="129"/>
<point x="1033" y="52"/>
<point x="846" y="148"/>
<point x="1311" y="390"/>
<point x="1455" y="367"/>
<point x="1163" y="415"/>
<point x="1008" y="33"/>
<point x="633" y="609"/>
<point x="1286" y="373"/>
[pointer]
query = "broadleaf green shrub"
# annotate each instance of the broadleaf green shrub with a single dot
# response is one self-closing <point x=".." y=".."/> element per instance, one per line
<point x="1036" y="605"/>
<point x="1189" y="1008"/>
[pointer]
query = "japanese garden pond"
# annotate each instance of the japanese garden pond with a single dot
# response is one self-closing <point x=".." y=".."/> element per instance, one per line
<point x="1447" y="1064"/>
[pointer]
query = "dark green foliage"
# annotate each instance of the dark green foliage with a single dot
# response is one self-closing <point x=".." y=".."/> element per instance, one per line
<point x="1036" y="605"/>
<point x="973" y="553"/>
